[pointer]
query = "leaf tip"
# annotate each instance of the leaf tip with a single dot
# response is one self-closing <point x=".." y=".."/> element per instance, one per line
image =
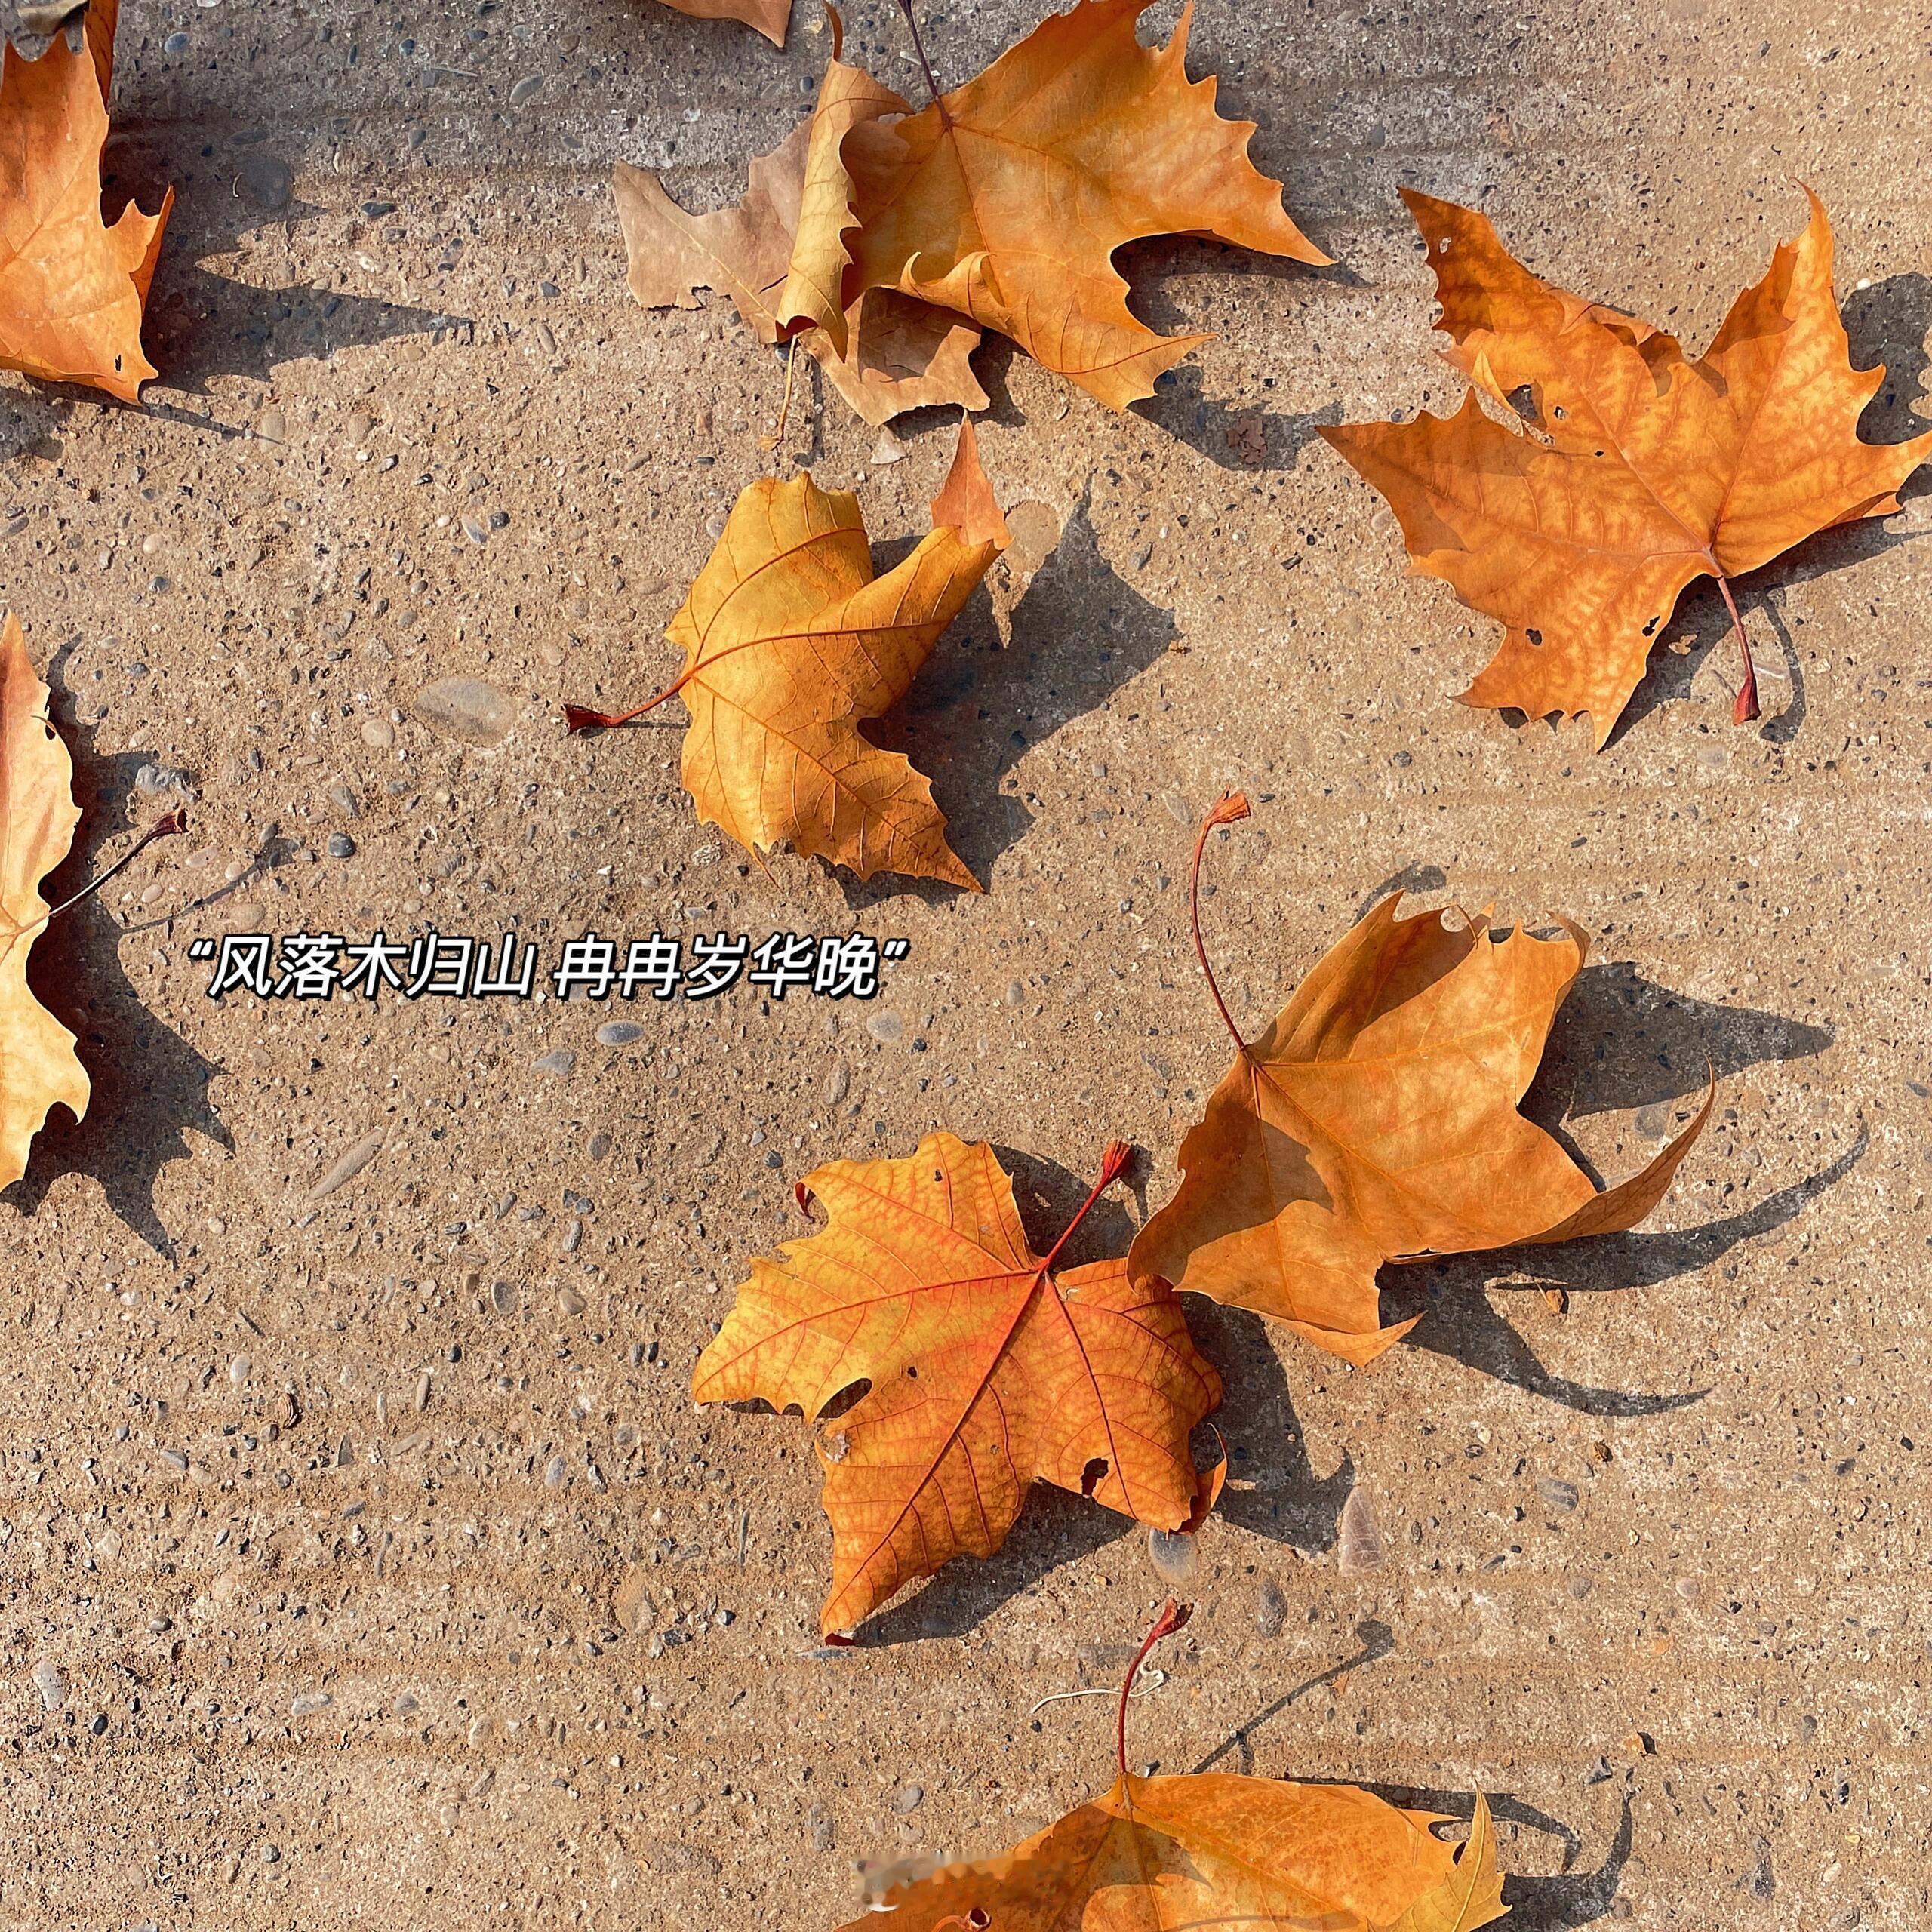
<point x="1229" y="809"/>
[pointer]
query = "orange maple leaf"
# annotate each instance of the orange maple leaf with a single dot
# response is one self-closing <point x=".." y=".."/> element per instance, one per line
<point x="1216" y="1852"/>
<point x="1005" y="200"/>
<point x="1377" y="1121"/>
<point x="984" y="1371"/>
<point x="790" y="642"/>
<point x="38" y="816"/>
<point x="73" y="291"/>
<point x="1640" y="472"/>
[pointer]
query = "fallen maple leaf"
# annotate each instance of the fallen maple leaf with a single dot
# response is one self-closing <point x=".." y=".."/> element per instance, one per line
<point x="894" y="353"/>
<point x="771" y="17"/>
<point x="38" y="816"/>
<point x="1216" y="1852"/>
<point x="984" y="1372"/>
<point x="1641" y="472"/>
<point x="1006" y="199"/>
<point x="790" y="642"/>
<point x="1376" y="1120"/>
<point x="71" y="290"/>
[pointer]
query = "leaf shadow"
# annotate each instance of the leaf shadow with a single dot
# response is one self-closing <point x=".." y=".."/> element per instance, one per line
<point x="1230" y="436"/>
<point x="1891" y="322"/>
<point x="202" y="323"/>
<point x="150" y="1087"/>
<point x="1377" y="1641"/>
<point x="1079" y="635"/>
<point x="1623" y="1041"/>
<point x="1287" y="1501"/>
<point x="1460" y="1322"/>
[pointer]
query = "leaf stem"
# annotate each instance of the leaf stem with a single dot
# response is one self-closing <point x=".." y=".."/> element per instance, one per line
<point x="919" y="47"/>
<point x="1170" y="1621"/>
<point x="1745" y="709"/>
<point x="165" y="827"/>
<point x="1113" y="1164"/>
<point x="1232" y="807"/>
<point x="777" y="436"/>
<point x="577" y="718"/>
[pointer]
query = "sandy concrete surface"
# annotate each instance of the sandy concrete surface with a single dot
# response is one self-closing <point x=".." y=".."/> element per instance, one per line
<point x="365" y="1562"/>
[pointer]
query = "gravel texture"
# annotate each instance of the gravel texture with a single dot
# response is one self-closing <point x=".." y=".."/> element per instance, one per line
<point x="365" y="1561"/>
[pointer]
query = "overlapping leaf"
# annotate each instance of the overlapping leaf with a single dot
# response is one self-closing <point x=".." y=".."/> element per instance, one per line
<point x="1375" y="1120"/>
<point x="38" y="816"/>
<point x="985" y="1372"/>
<point x="894" y="352"/>
<point x="790" y="643"/>
<point x="1641" y="470"/>
<point x="1005" y="200"/>
<point x="73" y="291"/>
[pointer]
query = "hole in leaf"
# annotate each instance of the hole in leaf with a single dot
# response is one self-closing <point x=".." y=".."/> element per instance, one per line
<point x="846" y="1401"/>
<point x="1650" y="630"/>
<point x="1559" y="412"/>
<point x="1091" y="1475"/>
<point x="1534" y="636"/>
<point x="1442" y="247"/>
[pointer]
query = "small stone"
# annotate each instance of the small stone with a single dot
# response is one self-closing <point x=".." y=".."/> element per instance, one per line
<point x="1271" y="1609"/>
<point x="672" y="1860"/>
<point x="819" y="1827"/>
<point x="554" y="1472"/>
<point x="351" y="1162"/>
<point x="379" y="732"/>
<point x="239" y="1370"/>
<point x="838" y="1084"/>
<point x="269" y="182"/>
<point x="51" y="1684"/>
<point x="344" y="800"/>
<point x="888" y="450"/>
<point x="627" y="1604"/>
<point x="1360" y="1541"/>
<point x="619" y="1032"/>
<point x="341" y="846"/>
<point x="273" y="427"/>
<point x="1175" y="1557"/>
<point x="570" y="1300"/>
<point x="600" y="1146"/>
<point x="308" y="1702"/>
<point x="503" y="1297"/>
<point x="1653" y="1122"/>
<point x="476" y="532"/>
<point x="271" y="1854"/>
<point x="527" y="89"/>
<point x="466" y="709"/>
<point x="886" y="1027"/>
<point x="562" y="1061"/>
<point x="1558" y="1493"/>
<point x="908" y="1798"/>
<point x="1179" y="810"/>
